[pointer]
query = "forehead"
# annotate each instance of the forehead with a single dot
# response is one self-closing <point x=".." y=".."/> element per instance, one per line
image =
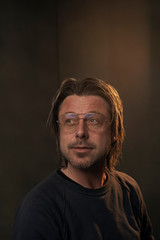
<point x="84" y="104"/>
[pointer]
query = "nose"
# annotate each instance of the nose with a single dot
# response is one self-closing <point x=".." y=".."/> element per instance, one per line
<point x="81" y="130"/>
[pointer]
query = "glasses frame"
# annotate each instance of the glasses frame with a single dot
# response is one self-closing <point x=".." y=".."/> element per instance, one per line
<point x="90" y="127"/>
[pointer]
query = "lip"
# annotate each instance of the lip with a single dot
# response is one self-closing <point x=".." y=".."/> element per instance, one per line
<point x="81" y="149"/>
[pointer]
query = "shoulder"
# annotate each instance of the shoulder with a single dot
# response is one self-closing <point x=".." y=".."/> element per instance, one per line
<point x="129" y="188"/>
<point x="41" y="209"/>
<point x="126" y="181"/>
<point x="46" y="192"/>
<point x="123" y="178"/>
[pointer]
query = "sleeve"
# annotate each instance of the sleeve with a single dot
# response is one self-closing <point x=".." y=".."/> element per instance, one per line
<point x="141" y="214"/>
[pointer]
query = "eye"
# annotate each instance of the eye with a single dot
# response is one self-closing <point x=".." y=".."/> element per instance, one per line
<point x="93" y="120"/>
<point x="69" y="121"/>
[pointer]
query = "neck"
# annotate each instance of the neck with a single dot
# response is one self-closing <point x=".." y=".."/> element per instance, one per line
<point x="89" y="178"/>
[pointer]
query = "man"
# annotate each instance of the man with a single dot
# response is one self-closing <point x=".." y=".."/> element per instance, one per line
<point x="86" y="199"/>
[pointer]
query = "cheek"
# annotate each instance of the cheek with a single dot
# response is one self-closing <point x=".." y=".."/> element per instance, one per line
<point x="61" y="140"/>
<point x="64" y="140"/>
<point x="104" y="140"/>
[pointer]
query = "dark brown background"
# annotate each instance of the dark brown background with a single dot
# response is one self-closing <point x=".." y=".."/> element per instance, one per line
<point x="42" y="43"/>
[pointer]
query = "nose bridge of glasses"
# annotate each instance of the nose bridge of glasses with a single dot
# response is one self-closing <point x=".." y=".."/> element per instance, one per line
<point x="81" y="121"/>
<point x="85" y="116"/>
<point x="81" y="126"/>
<point x="80" y="116"/>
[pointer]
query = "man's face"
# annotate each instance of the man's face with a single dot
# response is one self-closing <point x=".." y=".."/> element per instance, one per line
<point x="84" y="147"/>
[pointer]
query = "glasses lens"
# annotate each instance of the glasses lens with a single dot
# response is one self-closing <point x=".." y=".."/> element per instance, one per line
<point x="94" y="120"/>
<point x="69" y="121"/>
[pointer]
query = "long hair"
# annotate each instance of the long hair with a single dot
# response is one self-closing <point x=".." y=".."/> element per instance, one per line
<point x="86" y="87"/>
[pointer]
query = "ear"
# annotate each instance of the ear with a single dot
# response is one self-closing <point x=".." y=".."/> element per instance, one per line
<point x="114" y="139"/>
<point x="114" y="135"/>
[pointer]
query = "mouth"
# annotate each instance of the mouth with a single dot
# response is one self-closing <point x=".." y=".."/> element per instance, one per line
<point x="81" y="149"/>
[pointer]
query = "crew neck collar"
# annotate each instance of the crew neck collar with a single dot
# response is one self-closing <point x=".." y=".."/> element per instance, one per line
<point x="74" y="186"/>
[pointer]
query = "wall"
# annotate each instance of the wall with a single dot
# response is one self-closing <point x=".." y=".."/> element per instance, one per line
<point x="42" y="44"/>
<point x="28" y="80"/>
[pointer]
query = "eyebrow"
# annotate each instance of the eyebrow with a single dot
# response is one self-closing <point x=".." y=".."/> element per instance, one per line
<point x="81" y="113"/>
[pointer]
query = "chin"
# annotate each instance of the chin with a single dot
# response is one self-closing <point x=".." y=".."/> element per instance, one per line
<point x="83" y="164"/>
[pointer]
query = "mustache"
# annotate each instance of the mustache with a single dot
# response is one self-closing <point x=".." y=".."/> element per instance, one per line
<point x="81" y="143"/>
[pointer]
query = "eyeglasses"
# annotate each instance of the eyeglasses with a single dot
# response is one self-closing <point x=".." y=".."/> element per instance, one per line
<point x="93" y="121"/>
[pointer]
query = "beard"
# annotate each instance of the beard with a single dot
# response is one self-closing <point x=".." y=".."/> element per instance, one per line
<point x="84" y="160"/>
